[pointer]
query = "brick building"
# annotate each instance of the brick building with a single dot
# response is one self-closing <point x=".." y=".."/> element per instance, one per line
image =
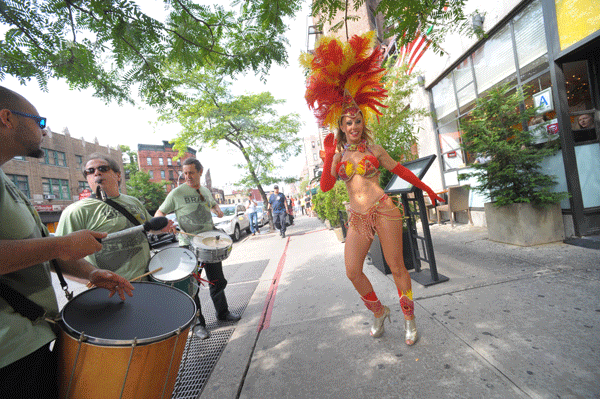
<point x="55" y="181"/>
<point x="158" y="161"/>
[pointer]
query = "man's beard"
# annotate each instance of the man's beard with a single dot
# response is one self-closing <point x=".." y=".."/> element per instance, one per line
<point x="37" y="153"/>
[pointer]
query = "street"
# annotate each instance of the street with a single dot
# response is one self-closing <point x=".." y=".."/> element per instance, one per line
<point x="510" y="322"/>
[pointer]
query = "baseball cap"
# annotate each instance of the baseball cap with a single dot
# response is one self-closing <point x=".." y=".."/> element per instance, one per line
<point x="275" y="186"/>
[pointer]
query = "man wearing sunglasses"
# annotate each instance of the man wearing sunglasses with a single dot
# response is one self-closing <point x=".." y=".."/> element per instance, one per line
<point x="129" y="255"/>
<point x="27" y="366"/>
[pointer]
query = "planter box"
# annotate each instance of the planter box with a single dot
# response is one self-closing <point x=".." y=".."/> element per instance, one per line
<point x="376" y="254"/>
<point x="524" y="224"/>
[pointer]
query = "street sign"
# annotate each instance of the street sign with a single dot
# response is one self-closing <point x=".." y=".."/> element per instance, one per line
<point x="543" y="99"/>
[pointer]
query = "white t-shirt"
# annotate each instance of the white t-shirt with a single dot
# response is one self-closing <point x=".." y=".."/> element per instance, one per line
<point x="251" y="206"/>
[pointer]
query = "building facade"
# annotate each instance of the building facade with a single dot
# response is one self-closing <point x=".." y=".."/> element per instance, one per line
<point x="55" y="181"/>
<point x="159" y="162"/>
<point x="551" y="50"/>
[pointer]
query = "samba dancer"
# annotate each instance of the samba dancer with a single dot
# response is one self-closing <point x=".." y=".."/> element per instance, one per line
<point x="27" y="365"/>
<point x="344" y="90"/>
<point x="192" y="205"/>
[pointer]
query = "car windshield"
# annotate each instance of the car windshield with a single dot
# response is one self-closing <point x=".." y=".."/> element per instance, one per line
<point x="227" y="210"/>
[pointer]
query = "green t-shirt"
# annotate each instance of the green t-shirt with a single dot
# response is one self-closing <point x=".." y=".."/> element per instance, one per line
<point x="19" y="337"/>
<point x="127" y="256"/>
<point x="193" y="214"/>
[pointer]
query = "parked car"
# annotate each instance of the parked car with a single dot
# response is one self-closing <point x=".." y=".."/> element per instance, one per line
<point x="234" y="220"/>
<point x="262" y="216"/>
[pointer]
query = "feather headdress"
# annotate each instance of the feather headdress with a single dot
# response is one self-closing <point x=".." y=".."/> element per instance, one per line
<point x="344" y="78"/>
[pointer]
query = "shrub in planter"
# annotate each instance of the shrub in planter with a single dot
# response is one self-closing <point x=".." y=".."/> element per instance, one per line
<point x="510" y="173"/>
<point x="326" y="205"/>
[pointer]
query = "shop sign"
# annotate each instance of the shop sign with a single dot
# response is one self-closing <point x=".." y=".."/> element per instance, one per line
<point x="48" y="208"/>
<point x="85" y="193"/>
<point x="544" y="132"/>
<point x="543" y="99"/>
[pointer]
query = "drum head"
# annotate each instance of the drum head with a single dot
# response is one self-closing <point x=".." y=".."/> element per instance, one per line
<point x="212" y="240"/>
<point x="154" y="313"/>
<point x="177" y="264"/>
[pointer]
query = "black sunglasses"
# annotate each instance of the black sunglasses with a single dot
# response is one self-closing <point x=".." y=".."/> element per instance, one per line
<point x="101" y="168"/>
<point x="41" y="121"/>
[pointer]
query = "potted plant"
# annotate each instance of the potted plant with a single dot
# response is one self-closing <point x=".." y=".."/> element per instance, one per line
<point x="523" y="209"/>
<point x="327" y="206"/>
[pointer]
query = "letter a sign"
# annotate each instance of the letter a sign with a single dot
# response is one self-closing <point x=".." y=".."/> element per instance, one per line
<point x="543" y="99"/>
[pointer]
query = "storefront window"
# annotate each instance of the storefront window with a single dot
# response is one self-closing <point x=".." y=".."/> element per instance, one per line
<point x="581" y="108"/>
<point x="452" y="155"/>
<point x="494" y="62"/>
<point x="463" y="80"/>
<point x="443" y="98"/>
<point x="530" y="38"/>
<point x="578" y="86"/>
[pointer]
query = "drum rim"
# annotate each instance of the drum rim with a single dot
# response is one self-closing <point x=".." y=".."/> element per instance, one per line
<point x="75" y="334"/>
<point x="213" y="259"/>
<point x="221" y="233"/>
<point x="153" y="277"/>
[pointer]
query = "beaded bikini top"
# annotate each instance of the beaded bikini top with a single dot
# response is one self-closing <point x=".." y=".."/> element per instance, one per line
<point x="367" y="166"/>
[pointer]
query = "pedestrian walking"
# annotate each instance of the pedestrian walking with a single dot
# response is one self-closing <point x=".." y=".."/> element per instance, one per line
<point x="354" y="157"/>
<point x="277" y="204"/>
<point x="252" y="214"/>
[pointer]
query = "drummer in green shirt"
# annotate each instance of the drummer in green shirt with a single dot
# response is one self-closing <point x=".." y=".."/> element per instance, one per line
<point x="192" y="205"/>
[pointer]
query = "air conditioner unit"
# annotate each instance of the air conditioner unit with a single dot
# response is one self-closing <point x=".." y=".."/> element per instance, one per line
<point x="49" y="196"/>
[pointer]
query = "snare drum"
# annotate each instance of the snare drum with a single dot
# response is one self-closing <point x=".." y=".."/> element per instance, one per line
<point x="177" y="264"/>
<point x="212" y="246"/>
<point x="110" y="348"/>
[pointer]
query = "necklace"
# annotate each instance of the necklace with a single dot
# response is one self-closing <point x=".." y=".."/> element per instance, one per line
<point x="361" y="147"/>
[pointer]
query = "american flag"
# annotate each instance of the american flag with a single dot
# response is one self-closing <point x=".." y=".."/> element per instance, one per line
<point x="412" y="52"/>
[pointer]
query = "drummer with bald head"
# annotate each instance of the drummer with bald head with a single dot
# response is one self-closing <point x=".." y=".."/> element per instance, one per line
<point x="192" y="205"/>
<point x="27" y="365"/>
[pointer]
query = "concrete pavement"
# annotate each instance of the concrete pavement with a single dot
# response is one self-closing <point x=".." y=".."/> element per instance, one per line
<point x="510" y="322"/>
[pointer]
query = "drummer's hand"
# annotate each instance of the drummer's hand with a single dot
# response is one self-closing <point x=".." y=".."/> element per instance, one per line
<point x="112" y="282"/>
<point x="169" y="228"/>
<point x="80" y="244"/>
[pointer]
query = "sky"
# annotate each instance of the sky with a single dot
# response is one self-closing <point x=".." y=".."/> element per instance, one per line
<point x="112" y="124"/>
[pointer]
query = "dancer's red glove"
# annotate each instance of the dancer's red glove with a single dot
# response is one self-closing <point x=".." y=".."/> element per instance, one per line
<point x="327" y="179"/>
<point x="410" y="177"/>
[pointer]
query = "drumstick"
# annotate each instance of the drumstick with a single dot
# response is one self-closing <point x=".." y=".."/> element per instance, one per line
<point x="145" y="274"/>
<point x="90" y="285"/>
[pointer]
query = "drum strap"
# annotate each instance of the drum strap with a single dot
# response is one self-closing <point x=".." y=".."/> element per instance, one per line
<point x="21" y="304"/>
<point x="121" y="209"/>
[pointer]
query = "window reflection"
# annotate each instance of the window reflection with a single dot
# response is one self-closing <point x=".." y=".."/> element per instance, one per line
<point x="577" y="85"/>
<point x="581" y="108"/>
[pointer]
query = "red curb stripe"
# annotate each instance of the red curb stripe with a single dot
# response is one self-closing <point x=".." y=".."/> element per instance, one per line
<point x="265" y="319"/>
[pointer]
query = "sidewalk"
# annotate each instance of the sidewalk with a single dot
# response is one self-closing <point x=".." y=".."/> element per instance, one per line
<point x="512" y="322"/>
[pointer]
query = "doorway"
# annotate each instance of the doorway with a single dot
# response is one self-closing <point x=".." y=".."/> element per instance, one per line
<point x="582" y="75"/>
